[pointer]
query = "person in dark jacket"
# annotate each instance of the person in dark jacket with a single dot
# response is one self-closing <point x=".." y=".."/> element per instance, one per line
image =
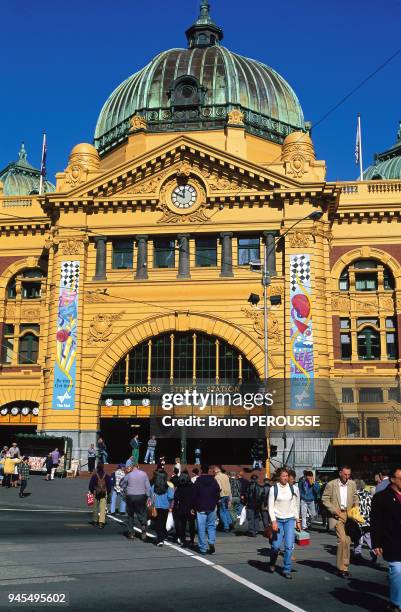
<point x="244" y="482"/>
<point x="48" y="464"/>
<point x="206" y="497"/>
<point x="265" y="502"/>
<point x="385" y="532"/>
<point x="183" y="509"/>
<point x="100" y="487"/>
<point x="254" y="506"/>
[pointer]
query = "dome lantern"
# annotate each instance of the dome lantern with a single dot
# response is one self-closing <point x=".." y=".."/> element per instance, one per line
<point x="204" y="32"/>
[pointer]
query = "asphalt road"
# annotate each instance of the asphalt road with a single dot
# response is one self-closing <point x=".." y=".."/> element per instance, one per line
<point x="48" y="546"/>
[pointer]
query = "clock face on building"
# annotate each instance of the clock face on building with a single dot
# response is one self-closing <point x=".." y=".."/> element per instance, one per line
<point x="184" y="196"/>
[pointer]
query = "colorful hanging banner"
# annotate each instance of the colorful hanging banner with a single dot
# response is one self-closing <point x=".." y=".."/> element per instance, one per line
<point x="302" y="359"/>
<point x="66" y="338"/>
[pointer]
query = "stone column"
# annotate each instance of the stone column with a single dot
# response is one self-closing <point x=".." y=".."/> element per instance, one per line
<point x="270" y="239"/>
<point x="183" y="256"/>
<point x="100" y="273"/>
<point x="226" y="254"/>
<point x="142" y="258"/>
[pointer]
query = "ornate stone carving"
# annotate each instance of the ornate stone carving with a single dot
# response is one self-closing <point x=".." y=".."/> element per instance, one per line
<point x="76" y="174"/>
<point x="297" y="154"/>
<point x="368" y="307"/>
<point x="30" y="314"/>
<point x="101" y="327"/>
<point x="387" y="303"/>
<point x="138" y="123"/>
<point x="198" y="216"/>
<point x="184" y="170"/>
<point x="273" y="329"/>
<point x="235" y="117"/>
<point x="300" y="239"/>
<point x="340" y="303"/>
<point x="222" y="183"/>
<point x="71" y="246"/>
<point x="10" y="312"/>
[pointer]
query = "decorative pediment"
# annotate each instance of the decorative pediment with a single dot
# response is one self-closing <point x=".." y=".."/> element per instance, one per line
<point x="223" y="176"/>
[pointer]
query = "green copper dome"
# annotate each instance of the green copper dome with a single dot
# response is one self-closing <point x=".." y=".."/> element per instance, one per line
<point x="20" y="178"/>
<point x="196" y="88"/>
<point x="387" y="165"/>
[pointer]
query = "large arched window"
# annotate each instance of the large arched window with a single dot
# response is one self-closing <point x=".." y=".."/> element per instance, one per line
<point x="366" y="275"/>
<point x="372" y="336"/>
<point x="179" y="357"/>
<point x="28" y="284"/>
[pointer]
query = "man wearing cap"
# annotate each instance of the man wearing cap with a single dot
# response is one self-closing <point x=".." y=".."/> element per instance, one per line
<point x="116" y="492"/>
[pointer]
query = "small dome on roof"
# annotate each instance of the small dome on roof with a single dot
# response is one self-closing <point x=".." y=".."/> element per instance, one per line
<point x="387" y="165"/>
<point x="20" y="178"/>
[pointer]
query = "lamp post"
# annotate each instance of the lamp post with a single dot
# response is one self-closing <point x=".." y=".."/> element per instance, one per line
<point x="266" y="280"/>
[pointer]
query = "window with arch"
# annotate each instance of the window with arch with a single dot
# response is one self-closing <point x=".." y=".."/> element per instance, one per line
<point x="27" y="284"/>
<point x="366" y="275"/>
<point x="183" y="357"/>
<point x="362" y="337"/>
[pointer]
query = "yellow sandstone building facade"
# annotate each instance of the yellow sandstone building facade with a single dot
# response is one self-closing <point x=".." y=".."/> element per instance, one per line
<point x="132" y="274"/>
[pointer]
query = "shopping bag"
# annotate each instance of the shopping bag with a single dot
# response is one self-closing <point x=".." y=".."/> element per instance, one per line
<point x="242" y="516"/>
<point x="90" y="499"/>
<point x="170" y="522"/>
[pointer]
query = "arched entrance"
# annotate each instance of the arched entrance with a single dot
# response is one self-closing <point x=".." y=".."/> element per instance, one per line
<point x="170" y="361"/>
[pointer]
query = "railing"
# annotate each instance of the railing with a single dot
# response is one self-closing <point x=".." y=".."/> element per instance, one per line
<point x="360" y="189"/>
<point x="17" y="202"/>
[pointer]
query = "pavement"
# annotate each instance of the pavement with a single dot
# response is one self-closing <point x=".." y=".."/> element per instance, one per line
<point x="49" y="547"/>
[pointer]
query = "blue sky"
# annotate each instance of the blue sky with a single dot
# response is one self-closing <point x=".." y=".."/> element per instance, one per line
<point x="61" y="60"/>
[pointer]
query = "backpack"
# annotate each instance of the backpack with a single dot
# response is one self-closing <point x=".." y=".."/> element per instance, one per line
<point x="276" y="491"/>
<point x="235" y="487"/>
<point x="101" y="488"/>
<point x="255" y="493"/>
<point x="160" y="486"/>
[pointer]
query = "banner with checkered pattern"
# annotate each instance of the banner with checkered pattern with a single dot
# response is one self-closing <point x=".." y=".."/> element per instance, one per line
<point x="302" y="357"/>
<point x="66" y="337"/>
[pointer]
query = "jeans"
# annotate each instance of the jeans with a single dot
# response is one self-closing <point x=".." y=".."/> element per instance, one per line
<point x="395" y="582"/>
<point x="206" y="523"/>
<point x="225" y="515"/>
<point x="197" y="461"/>
<point x="24" y="483"/>
<point x="6" y="481"/>
<point x="252" y="516"/>
<point x="150" y="456"/>
<point x="136" y="506"/>
<point x="307" y="506"/>
<point x="114" y="497"/>
<point x="287" y="533"/>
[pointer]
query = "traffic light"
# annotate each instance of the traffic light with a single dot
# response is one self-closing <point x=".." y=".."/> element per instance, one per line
<point x="273" y="450"/>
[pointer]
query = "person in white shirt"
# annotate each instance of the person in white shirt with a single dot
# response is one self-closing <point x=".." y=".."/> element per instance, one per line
<point x="283" y="507"/>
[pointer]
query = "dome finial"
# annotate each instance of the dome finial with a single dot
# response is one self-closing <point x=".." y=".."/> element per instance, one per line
<point x="399" y="131"/>
<point x="22" y="154"/>
<point x="204" y="32"/>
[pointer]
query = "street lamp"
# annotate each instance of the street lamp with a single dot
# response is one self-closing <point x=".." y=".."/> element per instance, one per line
<point x="266" y="280"/>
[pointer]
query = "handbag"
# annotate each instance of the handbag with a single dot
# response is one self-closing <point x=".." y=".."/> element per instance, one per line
<point x="268" y="532"/>
<point x="152" y="510"/>
<point x="90" y="498"/>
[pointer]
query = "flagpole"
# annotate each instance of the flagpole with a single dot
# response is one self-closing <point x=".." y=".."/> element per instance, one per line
<point x="360" y="148"/>
<point x="42" y="164"/>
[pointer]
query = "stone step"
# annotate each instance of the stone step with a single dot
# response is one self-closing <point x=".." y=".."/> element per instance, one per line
<point x="247" y="469"/>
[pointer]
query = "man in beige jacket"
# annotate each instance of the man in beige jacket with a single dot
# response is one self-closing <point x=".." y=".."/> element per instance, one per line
<point x="225" y="498"/>
<point x="339" y="497"/>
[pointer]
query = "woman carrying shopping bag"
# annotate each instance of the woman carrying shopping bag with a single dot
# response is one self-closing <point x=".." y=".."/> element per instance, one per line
<point x="162" y="495"/>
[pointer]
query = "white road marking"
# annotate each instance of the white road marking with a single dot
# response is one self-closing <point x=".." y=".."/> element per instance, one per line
<point x="247" y="583"/>
<point x="38" y="580"/>
<point x="66" y="510"/>
<point x="250" y="585"/>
